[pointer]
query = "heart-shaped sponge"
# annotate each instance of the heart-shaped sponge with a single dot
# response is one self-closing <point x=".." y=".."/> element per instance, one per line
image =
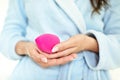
<point x="46" y="42"/>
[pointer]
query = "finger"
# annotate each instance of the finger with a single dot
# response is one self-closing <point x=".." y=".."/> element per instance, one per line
<point x="67" y="59"/>
<point x="63" y="53"/>
<point x="38" y="56"/>
<point x="60" y="61"/>
<point x="43" y="53"/>
<point x="63" y="60"/>
<point x="62" y="46"/>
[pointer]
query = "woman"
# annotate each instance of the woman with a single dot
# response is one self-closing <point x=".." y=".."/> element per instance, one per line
<point x="79" y="56"/>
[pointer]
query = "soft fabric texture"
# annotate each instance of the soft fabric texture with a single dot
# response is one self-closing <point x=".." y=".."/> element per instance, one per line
<point x="29" y="18"/>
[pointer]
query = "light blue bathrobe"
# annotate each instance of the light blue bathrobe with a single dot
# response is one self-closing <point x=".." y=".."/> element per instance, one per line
<point x="30" y="18"/>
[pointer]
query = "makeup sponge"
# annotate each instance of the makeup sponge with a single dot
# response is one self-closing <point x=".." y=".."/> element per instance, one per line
<point x="46" y="42"/>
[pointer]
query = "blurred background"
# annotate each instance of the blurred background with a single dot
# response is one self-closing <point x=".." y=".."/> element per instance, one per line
<point x="7" y="65"/>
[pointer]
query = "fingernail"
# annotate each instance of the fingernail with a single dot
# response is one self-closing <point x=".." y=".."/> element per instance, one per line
<point x="71" y="58"/>
<point x="44" y="60"/>
<point x="55" y="49"/>
<point x="74" y="56"/>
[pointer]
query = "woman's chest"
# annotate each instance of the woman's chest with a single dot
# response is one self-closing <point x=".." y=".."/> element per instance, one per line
<point x="40" y="11"/>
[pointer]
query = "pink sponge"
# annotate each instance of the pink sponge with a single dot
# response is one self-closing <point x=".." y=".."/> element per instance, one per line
<point x="46" y="42"/>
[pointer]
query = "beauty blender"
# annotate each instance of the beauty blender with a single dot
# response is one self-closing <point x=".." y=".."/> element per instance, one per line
<point x="46" y="42"/>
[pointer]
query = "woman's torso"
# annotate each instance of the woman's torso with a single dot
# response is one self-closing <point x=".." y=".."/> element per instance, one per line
<point x="45" y="16"/>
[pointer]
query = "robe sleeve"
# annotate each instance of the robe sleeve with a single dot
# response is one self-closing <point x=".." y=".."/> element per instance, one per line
<point x="14" y="29"/>
<point x="108" y="40"/>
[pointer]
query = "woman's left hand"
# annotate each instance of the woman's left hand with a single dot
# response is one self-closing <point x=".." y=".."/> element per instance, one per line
<point x="73" y="45"/>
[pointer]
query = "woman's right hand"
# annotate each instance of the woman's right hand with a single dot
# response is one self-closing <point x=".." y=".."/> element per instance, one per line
<point x="30" y="49"/>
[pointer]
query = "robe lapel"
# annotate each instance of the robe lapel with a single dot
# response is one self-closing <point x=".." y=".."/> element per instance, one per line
<point x="73" y="12"/>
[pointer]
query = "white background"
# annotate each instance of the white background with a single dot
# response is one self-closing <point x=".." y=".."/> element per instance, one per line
<point x="6" y="65"/>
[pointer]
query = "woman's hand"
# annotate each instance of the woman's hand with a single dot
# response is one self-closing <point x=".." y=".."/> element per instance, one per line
<point x="73" y="45"/>
<point x="38" y="57"/>
<point x="30" y="49"/>
<point x="58" y="61"/>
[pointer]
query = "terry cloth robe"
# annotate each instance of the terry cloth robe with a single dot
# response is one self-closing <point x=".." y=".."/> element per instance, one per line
<point x="27" y="19"/>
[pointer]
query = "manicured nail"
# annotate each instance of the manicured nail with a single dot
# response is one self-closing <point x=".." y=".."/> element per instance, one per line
<point x="55" y="49"/>
<point x="44" y="60"/>
<point x="74" y="56"/>
<point x="71" y="58"/>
